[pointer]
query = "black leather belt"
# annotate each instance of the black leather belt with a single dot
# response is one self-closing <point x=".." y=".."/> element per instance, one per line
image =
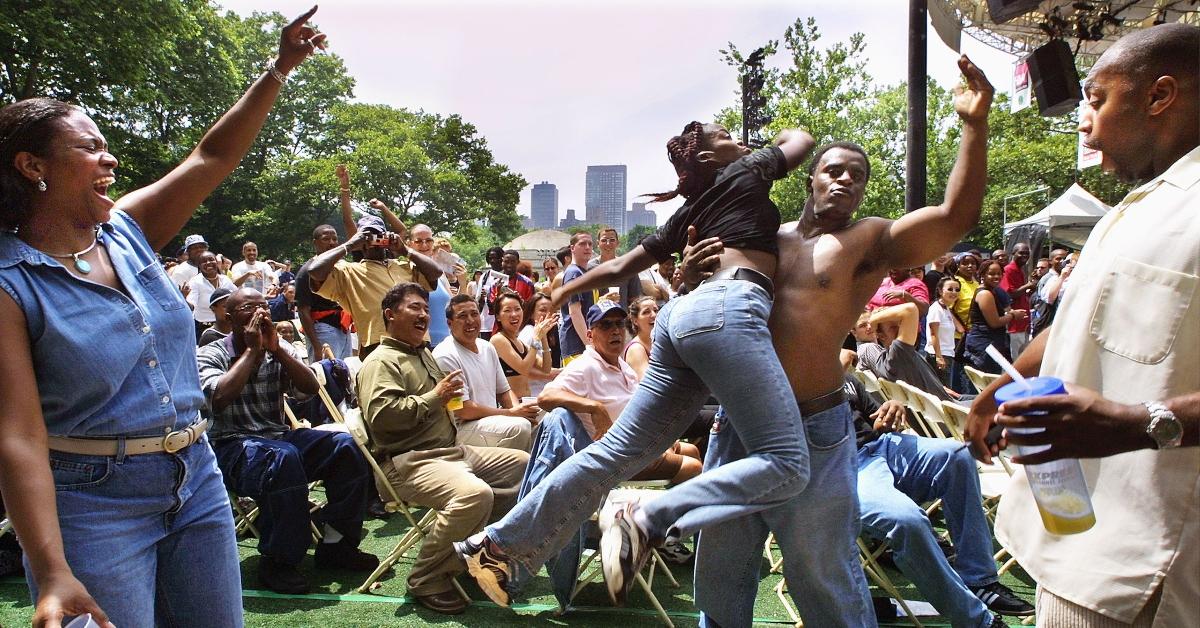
<point x="744" y="274"/>
<point x="829" y="400"/>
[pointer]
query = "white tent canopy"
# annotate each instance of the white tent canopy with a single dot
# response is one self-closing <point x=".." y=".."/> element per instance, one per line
<point x="1069" y="219"/>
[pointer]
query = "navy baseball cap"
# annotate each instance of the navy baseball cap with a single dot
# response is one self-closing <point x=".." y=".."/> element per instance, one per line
<point x="218" y="295"/>
<point x="601" y="309"/>
<point x="371" y="223"/>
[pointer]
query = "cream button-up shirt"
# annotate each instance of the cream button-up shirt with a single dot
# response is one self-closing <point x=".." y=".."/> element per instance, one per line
<point x="1129" y="327"/>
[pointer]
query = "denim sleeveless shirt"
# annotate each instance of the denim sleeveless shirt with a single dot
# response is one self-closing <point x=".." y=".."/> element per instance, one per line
<point x="106" y="364"/>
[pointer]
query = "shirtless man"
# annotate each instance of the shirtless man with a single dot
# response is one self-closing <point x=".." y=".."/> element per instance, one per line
<point x="829" y="266"/>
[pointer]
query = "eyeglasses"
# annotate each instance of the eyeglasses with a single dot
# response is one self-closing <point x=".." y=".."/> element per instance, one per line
<point x="609" y="324"/>
<point x="250" y="307"/>
<point x="423" y="241"/>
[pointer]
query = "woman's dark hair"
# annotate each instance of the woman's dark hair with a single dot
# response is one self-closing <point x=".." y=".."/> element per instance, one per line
<point x="531" y="305"/>
<point x="394" y="296"/>
<point x="987" y="263"/>
<point x="26" y="126"/>
<point x="563" y="256"/>
<point x="941" y="283"/>
<point x="507" y="294"/>
<point x="634" y="307"/>
<point x="694" y="176"/>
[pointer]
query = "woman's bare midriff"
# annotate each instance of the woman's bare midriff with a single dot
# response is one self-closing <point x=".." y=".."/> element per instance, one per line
<point x="760" y="261"/>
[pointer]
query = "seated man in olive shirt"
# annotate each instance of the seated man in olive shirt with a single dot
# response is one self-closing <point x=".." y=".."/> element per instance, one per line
<point x="403" y="394"/>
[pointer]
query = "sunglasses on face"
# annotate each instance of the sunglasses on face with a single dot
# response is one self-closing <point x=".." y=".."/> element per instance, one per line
<point x="423" y="241"/>
<point x="950" y="289"/>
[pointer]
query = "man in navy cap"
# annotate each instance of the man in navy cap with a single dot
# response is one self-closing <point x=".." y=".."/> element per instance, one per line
<point x="193" y="246"/>
<point x="359" y="286"/>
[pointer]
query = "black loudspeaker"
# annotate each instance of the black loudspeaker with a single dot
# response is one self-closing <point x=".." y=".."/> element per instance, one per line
<point x="1055" y="82"/>
<point x="1002" y="11"/>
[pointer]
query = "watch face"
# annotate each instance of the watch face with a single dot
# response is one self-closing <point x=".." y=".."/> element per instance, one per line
<point x="1167" y="431"/>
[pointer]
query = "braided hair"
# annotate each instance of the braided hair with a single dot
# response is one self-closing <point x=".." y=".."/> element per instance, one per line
<point x="694" y="176"/>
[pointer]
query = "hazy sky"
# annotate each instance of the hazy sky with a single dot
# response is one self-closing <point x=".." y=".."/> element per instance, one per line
<point x="556" y="86"/>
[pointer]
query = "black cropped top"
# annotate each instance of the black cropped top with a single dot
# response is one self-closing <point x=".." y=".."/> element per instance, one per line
<point x="737" y="208"/>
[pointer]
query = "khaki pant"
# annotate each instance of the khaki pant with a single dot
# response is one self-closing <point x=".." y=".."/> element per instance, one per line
<point x="467" y="486"/>
<point x="1055" y="612"/>
<point x="513" y="432"/>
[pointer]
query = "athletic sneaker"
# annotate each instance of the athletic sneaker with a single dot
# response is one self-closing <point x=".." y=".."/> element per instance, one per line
<point x="997" y="622"/>
<point x="489" y="566"/>
<point x="675" y="552"/>
<point x="623" y="549"/>
<point x="1001" y="599"/>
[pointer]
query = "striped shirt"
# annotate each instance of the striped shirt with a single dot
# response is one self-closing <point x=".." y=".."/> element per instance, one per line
<point x="258" y="409"/>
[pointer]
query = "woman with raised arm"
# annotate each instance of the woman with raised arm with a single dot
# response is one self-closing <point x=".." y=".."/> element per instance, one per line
<point x="105" y="469"/>
<point x="713" y="339"/>
<point x="520" y="360"/>
<point x="989" y="319"/>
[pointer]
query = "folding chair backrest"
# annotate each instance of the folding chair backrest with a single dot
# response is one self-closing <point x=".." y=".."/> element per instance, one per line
<point x="978" y="378"/>
<point x="892" y="391"/>
<point x="323" y="392"/>
<point x="956" y="417"/>
<point x="869" y="381"/>
<point x="358" y="429"/>
<point x="931" y="410"/>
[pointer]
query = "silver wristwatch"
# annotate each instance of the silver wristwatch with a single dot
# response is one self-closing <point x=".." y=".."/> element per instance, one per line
<point x="1164" y="427"/>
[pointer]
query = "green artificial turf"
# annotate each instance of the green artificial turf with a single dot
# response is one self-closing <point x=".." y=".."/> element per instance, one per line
<point x="334" y="602"/>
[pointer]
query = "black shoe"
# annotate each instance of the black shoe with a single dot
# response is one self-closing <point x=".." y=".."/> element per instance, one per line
<point x="447" y="603"/>
<point x="1001" y="599"/>
<point x="343" y="555"/>
<point x="947" y="550"/>
<point x="281" y="577"/>
<point x="997" y="622"/>
<point x="489" y="566"/>
<point x="376" y="509"/>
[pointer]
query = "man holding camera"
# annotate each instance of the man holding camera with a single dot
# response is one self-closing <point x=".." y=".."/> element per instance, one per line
<point x="359" y="286"/>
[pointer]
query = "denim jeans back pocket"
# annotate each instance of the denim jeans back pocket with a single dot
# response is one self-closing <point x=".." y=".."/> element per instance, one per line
<point x="73" y="474"/>
<point x="828" y="429"/>
<point x="702" y="311"/>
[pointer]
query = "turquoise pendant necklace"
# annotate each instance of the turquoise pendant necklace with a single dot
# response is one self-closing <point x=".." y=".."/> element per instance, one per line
<point x="81" y="264"/>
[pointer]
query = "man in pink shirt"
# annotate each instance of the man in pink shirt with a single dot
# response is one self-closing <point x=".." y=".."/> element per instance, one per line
<point x="1018" y="287"/>
<point x="598" y="385"/>
<point x="901" y="287"/>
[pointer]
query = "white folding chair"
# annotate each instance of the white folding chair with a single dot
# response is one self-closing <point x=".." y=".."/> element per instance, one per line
<point x="978" y="378"/>
<point x="631" y="490"/>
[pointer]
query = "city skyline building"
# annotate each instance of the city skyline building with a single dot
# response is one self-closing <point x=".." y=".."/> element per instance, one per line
<point x="543" y="210"/>
<point x="569" y="220"/>
<point x="604" y="197"/>
<point x="640" y="216"/>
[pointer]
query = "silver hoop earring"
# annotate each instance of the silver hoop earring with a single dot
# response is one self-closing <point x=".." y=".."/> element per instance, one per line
<point x="41" y="185"/>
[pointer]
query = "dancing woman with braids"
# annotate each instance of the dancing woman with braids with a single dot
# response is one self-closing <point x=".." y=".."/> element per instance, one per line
<point x="713" y="340"/>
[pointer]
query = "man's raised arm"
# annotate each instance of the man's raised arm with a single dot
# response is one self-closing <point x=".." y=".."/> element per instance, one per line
<point x="926" y="233"/>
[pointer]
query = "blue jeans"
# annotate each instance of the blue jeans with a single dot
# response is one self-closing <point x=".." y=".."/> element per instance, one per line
<point x="276" y="473"/>
<point x="816" y="532"/>
<point x="895" y="474"/>
<point x="714" y="339"/>
<point x="332" y="335"/>
<point x="150" y="536"/>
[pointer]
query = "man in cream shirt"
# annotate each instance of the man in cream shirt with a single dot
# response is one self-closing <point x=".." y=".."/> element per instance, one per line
<point x="1127" y="340"/>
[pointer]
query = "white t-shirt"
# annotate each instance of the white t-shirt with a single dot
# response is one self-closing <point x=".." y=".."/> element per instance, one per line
<point x="652" y="274"/>
<point x="483" y="379"/>
<point x="269" y="276"/>
<point x="199" y="291"/>
<point x="945" y="332"/>
<point x="182" y="273"/>
<point x="589" y="376"/>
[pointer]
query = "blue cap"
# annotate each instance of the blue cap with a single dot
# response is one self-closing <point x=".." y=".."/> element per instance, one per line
<point x="218" y="295"/>
<point x="371" y="223"/>
<point x="601" y="309"/>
